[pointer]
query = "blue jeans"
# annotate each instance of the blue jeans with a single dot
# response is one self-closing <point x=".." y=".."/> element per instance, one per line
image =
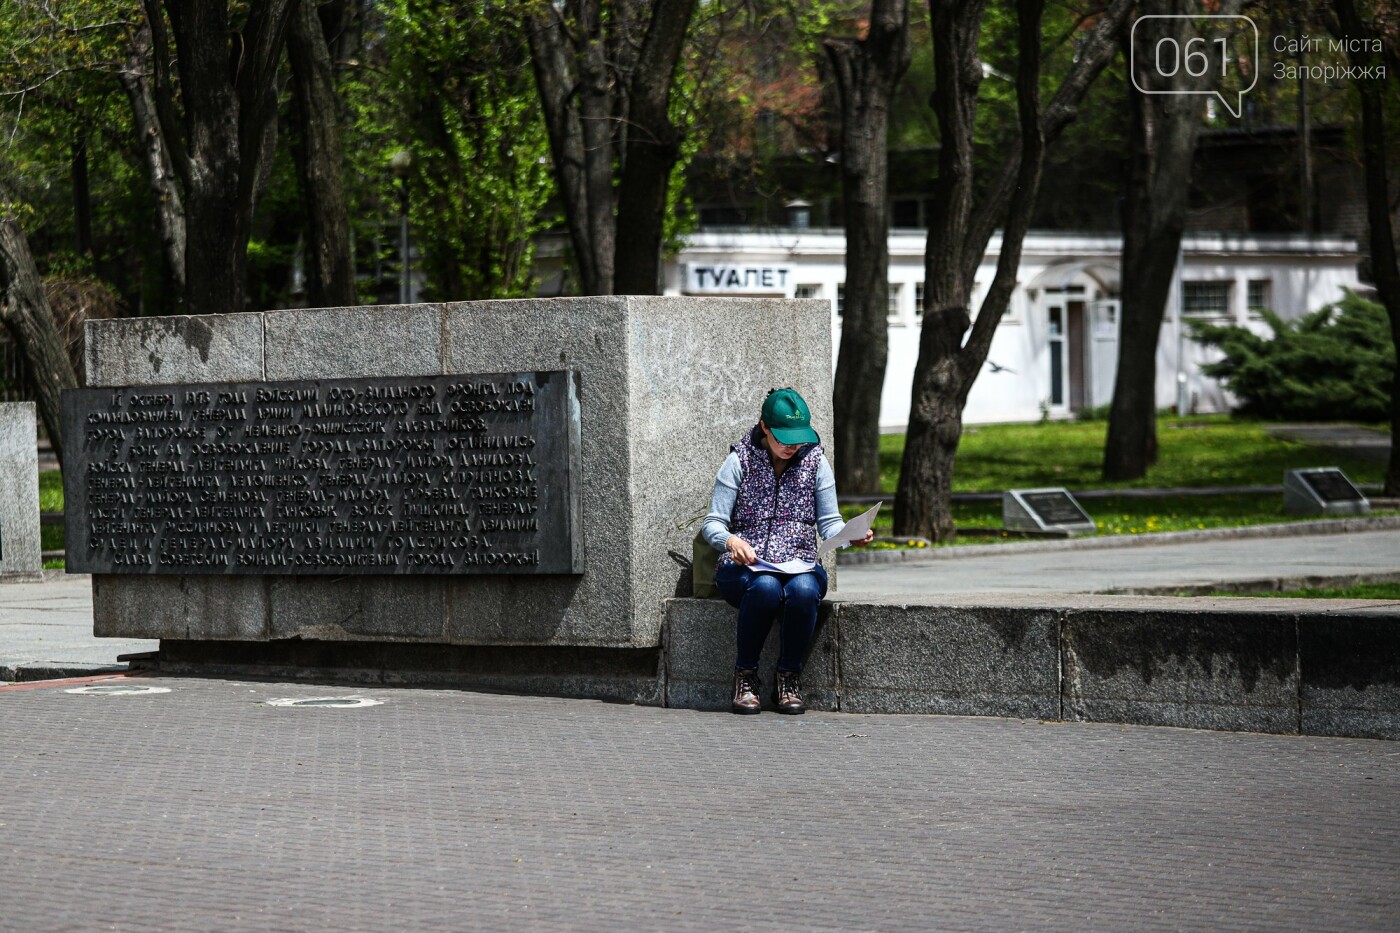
<point x="761" y="597"/>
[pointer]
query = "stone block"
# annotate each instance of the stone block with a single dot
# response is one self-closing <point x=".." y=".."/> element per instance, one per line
<point x="181" y="607"/>
<point x="699" y="648"/>
<point x="666" y="385"/>
<point x="20" y="546"/>
<point x="184" y="348"/>
<point x="152" y="351"/>
<point x="1234" y="670"/>
<point x="1350" y="675"/>
<point x="355" y="608"/>
<point x="340" y="343"/>
<point x="958" y="660"/>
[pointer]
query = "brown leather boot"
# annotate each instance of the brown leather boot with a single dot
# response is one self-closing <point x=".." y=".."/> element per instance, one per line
<point x="787" y="695"/>
<point x="745" y="693"/>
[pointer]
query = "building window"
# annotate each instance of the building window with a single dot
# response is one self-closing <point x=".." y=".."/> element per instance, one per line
<point x="1207" y="299"/>
<point x="919" y="300"/>
<point x="808" y="291"/>
<point x="1260" y="296"/>
<point x="840" y="300"/>
<point x="892" y="302"/>
<point x="1105" y="320"/>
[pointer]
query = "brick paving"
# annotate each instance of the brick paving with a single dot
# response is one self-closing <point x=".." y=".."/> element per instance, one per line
<point x="206" y="809"/>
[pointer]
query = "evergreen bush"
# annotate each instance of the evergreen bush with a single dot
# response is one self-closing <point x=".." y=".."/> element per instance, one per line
<point x="1333" y="364"/>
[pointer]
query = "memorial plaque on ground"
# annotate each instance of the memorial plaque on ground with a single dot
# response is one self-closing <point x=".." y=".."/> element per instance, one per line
<point x="462" y="474"/>
<point x="1331" y="485"/>
<point x="1322" y="491"/>
<point x="1044" y="510"/>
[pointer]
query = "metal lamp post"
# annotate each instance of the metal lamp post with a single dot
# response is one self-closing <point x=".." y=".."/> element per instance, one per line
<point x="402" y="164"/>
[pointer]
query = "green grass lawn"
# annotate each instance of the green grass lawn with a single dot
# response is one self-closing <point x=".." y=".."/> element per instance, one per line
<point x="1211" y="450"/>
<point x="1208" y="450"/>
<point x="1123" y="515"/>
<point x="1357" y="591"/>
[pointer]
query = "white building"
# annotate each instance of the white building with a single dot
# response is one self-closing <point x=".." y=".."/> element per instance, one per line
<point x="1056" y="349"/>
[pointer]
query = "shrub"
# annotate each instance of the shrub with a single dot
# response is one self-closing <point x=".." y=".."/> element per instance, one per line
<point x="1333" y="364"/>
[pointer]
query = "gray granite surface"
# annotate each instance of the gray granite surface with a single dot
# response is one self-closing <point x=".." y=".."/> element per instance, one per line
<point x="19" y="493"/>
<point x="972" y="660"/>
<point x="666" y="385"/>
<point x="183" y="348"/>
<point x="1210" y="669"/>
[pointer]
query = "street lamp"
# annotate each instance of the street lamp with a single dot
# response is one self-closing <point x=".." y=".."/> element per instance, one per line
<point x="402" y="164"/>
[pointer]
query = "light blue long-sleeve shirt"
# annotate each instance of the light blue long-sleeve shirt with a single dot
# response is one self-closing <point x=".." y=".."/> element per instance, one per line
<point x="716" y="527"/>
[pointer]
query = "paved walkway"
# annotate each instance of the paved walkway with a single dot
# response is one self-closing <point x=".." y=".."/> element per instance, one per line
<point x="1371" y="553"/>
<point x="1350" y="439"/>
<point x="205" y="808"/>
<point x="47" y="627"/>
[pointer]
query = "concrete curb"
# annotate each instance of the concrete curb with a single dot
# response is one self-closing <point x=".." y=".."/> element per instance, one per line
<point x="1295" y="667"/>
<point x="26" y="671"/>
<point x="1287" y="529"/>
<point x="1262" y="585"/>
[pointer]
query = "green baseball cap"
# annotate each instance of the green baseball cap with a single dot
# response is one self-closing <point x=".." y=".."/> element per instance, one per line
<point x="789" y="418"/>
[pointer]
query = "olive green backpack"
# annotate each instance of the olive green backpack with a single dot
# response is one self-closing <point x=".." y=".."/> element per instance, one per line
<point x="701" y="563"/>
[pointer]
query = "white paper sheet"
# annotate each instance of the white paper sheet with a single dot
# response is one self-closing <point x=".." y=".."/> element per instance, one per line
<point x="787" y="566"/>
<point x="854" y="530"/>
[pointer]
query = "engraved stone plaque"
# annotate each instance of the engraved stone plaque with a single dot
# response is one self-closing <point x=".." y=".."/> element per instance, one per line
<point x="1044" y="510"/>
<point x="1331" y="485"/>
<point x="460" y="474"/>
<point x="1322" y="491"/>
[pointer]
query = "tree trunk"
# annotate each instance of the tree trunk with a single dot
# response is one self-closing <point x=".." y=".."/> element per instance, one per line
<point x="230" y="115"/>
<point x="604" y="92"/>
<point x="158" y="160"/>
<point x="330" y="270"/>
<point x="957" y="240"/>
<point x="27" y="316"/>
<point x="866" y="73"/>
<point x="1165" y="128"/>
<point x="573" y="127"/>
<point x="653" y="146"/>
<point x="923" y="505"/>
<point x="1385" y="268"/>
<point x="82" y="197"/>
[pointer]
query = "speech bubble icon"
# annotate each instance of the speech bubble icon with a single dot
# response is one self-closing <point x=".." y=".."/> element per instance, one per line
<point x="1198" y="58"/>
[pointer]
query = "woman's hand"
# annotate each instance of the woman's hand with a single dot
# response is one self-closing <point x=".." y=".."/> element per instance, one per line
<point x="740" y="550"/>
<point x="869" y="536"/>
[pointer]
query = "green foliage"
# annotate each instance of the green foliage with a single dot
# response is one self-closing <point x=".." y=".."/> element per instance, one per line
<point x="451" y="83"/>
<point x="59" y="98"/>
<point x="1335" y="364"/>
<point x="50" y="491"/>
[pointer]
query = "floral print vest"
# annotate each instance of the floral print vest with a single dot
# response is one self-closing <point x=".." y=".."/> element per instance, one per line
<point x="777" y="515"/>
